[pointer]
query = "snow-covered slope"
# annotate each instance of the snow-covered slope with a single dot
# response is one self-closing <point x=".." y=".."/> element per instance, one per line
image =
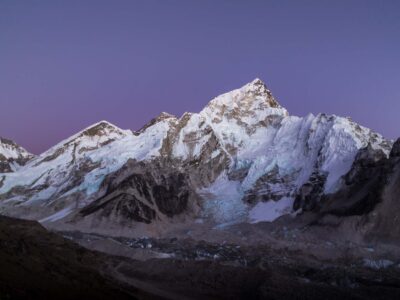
<point x="271" y="154"/>
<point x="12" y="156"/>
<point x="241" y="151"/>
<point x="80" y="162"/>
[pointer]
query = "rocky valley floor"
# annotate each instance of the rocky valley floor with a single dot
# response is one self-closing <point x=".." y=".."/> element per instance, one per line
<point x="38" y="264"/>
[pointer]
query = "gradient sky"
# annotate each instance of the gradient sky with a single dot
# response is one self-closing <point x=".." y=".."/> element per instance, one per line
<point x="67" y="64"/>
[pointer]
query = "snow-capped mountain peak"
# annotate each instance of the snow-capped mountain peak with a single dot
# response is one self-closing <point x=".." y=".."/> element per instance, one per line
<point x="10" y="149"/>
<point x="254" y="91"/>
<point x="249" y="105"/>
<point x="243" y="151"/>
<point x="12" y="156"/>
<point x="92" y="137"/>
<point x="101" y="130"/>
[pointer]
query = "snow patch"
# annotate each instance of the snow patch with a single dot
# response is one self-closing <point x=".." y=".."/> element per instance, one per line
<point x="271" y="210"/>
<point x="58" y="215"/>
<point x="377" y="264"/>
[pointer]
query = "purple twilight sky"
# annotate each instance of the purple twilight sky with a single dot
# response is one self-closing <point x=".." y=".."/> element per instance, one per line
<point x="67" y="64"/>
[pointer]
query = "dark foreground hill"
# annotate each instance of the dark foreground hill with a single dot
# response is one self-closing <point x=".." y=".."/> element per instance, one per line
<point x="37" y="264"/>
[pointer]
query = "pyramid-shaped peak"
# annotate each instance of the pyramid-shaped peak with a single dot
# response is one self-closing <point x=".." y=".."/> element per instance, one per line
<point x="10" y="149"/>
<point x="258" y="86"/>
<point x="102" y="132"/>
<point x="257" y="81"/>
<point x="100" y="128"/>
<point x="251" y="96"/>
<point x="102" y="123"/>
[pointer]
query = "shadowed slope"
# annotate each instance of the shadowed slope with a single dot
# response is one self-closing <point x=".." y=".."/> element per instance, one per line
<point x="37" y="264"/>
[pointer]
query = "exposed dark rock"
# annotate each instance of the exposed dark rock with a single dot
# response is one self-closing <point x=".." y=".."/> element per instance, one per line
<point x="383" y="224"/>
<point x="139" y="192"/>
<point x="396" y="149"/>
<point x="363" y="185"/>
<point x="124" y="207"/>
<point x="270" y="186"/>
<point x="5" y="166"/>
<point x="310" y="193"/>
<point x="51" y="157"/>
<point x="2" y="180"/>
<point x="169" y="196"/>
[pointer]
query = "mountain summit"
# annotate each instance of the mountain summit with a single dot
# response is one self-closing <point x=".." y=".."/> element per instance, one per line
<point x="255" y="91"/>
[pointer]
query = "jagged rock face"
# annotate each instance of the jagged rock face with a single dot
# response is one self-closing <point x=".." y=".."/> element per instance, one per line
<point x="270" y="187"/>
<point x="383" y="222"/>
<point x="241" y="150"/>
<point x="362" y="186"/>
<point x="143" y="193"/>
<point x="12" y="156"/>
<point x="368" y="201"/>
<point x="309" y="195"/>
<point x="395" y="150"/>
<point x="365" y="177"/>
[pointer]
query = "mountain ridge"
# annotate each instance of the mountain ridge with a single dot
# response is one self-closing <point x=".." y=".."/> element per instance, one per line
<point x="243" y="155"/>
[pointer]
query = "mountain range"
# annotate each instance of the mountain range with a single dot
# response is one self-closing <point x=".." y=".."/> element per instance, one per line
<point x="242" y="159"/>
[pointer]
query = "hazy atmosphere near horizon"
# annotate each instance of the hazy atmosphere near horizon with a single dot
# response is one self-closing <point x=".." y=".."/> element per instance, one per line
<point x="67" y="64"/>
